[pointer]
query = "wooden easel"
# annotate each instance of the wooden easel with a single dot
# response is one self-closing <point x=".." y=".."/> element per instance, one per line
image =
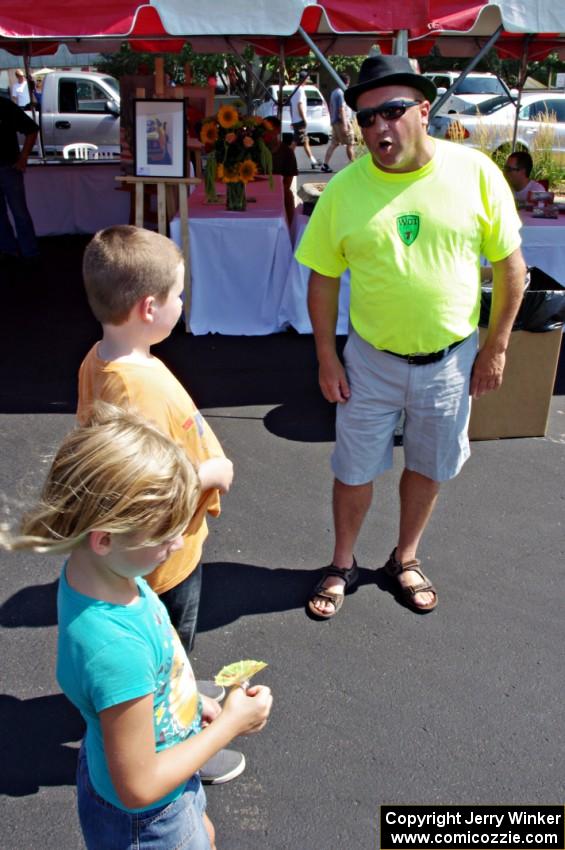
<point x="139" y="184"/>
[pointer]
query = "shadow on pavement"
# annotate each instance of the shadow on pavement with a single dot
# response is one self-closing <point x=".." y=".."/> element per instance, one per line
<point x="33" y="752"/>
<point x="46" y="328"/>
<point x="31" y="607"/>
<point x="246" y="589"/>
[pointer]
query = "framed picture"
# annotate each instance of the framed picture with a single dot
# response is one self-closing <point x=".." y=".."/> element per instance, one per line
<point x="160" y="138"/>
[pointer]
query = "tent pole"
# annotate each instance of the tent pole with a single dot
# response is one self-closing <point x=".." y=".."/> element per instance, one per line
<point x="27" y="71"/>
<point x="437" y="104"/>
<point x="282" y="75"/>
<point x="321" y="58"/>
<point x="401" y="43"/>
<point x="521" y="84"/>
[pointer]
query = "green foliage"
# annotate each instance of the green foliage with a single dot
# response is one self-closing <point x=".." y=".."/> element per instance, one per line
<point x="210" y="177"/>
<point x="246" y="76"/>
<point x="266" y="160"/>
<point x="546" y="166"/>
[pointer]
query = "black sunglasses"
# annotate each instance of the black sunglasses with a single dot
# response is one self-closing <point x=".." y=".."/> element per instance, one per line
<point x="389" y="111"/>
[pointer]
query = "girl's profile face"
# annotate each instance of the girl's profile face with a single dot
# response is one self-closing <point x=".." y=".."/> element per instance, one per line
<point x="129" y="558"/>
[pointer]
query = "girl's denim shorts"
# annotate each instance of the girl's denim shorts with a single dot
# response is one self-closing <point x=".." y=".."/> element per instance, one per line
<point x="176" y="826"/>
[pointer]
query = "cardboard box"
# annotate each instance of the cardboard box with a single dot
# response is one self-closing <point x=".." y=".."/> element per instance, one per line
<point x="520" y="408"/>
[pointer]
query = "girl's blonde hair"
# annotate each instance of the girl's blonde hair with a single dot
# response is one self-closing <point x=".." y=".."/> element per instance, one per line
<point x="118" y="473"/>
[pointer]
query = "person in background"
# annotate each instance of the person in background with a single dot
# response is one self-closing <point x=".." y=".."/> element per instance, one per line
<point x="299" y="119"/>
<point x="38" y="91"/>
<point x="410" y="219"/>
<point x="341" y="117"/>
<point x="517" y="170"/>
<point x="116" y="501"/>
<point x="13" y="162"/>
<point x="20" y="90"/>
<point x="134" y="280"/>
<point x="284" y="163"/>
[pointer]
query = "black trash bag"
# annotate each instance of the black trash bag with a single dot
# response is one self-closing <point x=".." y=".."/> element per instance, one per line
<point x="541" y="310"/>
<point x="541" y="280"/>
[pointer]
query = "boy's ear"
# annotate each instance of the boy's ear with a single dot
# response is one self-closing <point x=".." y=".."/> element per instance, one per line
<point x="100" y="542"/>
<point x="146" y="308"/>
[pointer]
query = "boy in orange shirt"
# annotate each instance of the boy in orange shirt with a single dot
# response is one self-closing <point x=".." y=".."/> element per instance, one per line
<point x="134" y="282"/>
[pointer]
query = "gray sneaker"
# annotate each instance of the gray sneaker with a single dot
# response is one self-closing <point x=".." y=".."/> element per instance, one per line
<point x="210" y="689"/>
<point x="223" y="767"/>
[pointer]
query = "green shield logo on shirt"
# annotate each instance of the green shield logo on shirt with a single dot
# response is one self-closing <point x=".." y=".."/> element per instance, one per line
<point x="408" y="227"/>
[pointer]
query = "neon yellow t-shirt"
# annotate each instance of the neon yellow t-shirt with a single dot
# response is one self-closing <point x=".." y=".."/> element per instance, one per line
<point x="413" y="244"/>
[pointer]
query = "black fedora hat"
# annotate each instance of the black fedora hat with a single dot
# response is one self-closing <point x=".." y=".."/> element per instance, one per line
<point x="378" y="71"/>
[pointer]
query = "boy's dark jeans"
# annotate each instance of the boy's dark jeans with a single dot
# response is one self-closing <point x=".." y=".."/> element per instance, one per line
<point x="182" y="603"/>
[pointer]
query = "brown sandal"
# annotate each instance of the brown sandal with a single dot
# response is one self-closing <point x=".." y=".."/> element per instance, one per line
<point x="393" y="568"/>
<point x="349" y="576"/>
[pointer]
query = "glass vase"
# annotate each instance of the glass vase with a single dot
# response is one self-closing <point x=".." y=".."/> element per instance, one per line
<point x="235" y="197"/>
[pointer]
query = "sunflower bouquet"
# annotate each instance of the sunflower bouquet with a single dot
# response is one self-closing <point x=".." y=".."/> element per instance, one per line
<point x="237" y="150"/>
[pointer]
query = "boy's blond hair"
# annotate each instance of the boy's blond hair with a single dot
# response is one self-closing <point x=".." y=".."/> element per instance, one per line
<point x="118" y="474"/>
<point x="124" y="264"/>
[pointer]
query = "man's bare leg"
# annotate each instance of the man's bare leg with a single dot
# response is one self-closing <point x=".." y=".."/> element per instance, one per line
<point x="308" y="149"/>
<point x="350" y="506"/>
<point x="418" y="495"/>
<point x="333" y="145"/>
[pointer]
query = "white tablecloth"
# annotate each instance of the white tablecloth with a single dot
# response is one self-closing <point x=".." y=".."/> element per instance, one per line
<point x="294" y="309"/>
<point x="543" y="244"/>
<point x="239" y="262"/>
<point x="81" y="197"/>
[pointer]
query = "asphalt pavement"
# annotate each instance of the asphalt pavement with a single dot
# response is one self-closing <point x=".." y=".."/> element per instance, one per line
<point x="377" y="706"/>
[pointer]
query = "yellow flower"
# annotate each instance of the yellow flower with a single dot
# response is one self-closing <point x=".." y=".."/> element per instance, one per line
<point x="228" y="116"/>
<point x="247" y="170"/>
<point x="248" y="142"/>
<point x="208" y="133"/>
<point x="232" y="174"/>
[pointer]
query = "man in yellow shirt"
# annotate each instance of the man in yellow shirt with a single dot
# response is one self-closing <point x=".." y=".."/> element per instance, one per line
<point x="410" y="220"/>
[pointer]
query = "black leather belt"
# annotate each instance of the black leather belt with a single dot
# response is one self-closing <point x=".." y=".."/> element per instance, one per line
<point x="424" y="359"/>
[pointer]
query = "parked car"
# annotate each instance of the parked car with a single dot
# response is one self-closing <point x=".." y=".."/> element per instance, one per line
<point x="489" y="125"/>
<point x="317" y="112"/>
<point x="473" y="89"/>
<point x="80" y="106"/>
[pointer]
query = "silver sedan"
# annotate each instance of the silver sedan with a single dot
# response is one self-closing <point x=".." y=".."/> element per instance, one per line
<point x="489" y="125"/>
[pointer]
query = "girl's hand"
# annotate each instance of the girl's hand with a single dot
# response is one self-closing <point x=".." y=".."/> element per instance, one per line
<point x="248" y="710"/>
<point x="210" y="709"/>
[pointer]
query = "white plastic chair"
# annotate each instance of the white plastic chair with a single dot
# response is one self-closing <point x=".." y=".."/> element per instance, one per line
<point x="81" y="150"/>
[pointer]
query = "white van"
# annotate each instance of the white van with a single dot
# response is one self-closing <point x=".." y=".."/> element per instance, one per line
<point x="317" y="112"/>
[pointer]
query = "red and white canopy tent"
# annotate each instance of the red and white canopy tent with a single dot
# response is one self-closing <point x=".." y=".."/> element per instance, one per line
<point x="463" y="27"/>
<point x="456" y="27"/>
<point x="525" y="29"/>
<point x="160" y="25"/>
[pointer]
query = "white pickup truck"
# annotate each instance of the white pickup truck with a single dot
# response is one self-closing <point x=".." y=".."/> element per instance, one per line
<point x="79" y="106"/>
